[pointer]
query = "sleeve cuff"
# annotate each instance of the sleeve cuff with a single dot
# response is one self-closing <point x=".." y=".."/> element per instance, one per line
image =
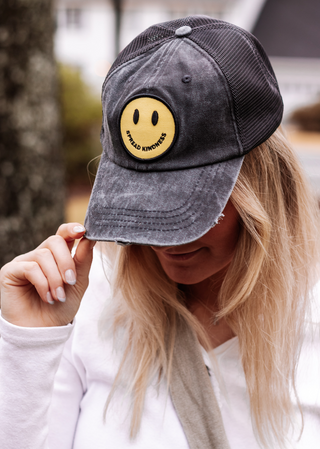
<point x="34" y="336"/>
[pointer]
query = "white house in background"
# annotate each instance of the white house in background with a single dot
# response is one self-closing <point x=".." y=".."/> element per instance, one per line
<point x="85" y="28"/>
<point x="84" y="37"/>
<point x="299" y="81"/>
<point x="288" y="29"/>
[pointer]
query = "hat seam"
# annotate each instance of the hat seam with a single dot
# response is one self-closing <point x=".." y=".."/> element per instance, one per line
<point x="127" y="224"/>
<point x="228" y="90"/>
<point x="152" y="229"/>
<point x="169" y="51"/>
<point x="155" y="229"/>
<point x="183" y="205"/>
<point x="127" y="62"/>
<point x="226" y="25"/>
<point x="244" y="34"/>
<point x="140" y="52"/>
<point x="161" y="217"/>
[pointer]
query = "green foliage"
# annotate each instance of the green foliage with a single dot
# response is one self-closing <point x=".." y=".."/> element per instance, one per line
<point x="81" y="122"/>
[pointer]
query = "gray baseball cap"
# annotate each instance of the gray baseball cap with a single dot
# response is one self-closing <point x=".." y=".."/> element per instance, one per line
<point x="182" y="105"/>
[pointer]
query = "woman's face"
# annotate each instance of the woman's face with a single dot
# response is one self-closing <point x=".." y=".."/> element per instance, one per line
<point x="194" y="262"/>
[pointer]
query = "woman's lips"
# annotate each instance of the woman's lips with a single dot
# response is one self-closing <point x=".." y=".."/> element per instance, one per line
<point x="180" y="256"/>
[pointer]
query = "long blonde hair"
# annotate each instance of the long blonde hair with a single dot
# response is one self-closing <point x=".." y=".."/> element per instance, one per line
<point x="264" y="296"/>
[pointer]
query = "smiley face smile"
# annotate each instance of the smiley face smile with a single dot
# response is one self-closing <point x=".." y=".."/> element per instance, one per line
<point x="147" y="128"/>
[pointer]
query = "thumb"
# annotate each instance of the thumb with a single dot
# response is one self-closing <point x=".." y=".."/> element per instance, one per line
<point x="83" y="259"/>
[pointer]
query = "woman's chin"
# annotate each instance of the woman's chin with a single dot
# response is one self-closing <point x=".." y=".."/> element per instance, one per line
<point x="184" y="277"/>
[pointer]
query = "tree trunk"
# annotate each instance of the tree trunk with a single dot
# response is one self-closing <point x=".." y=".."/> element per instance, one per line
<point x="117" y="7"/>
<point x="31" y="169"/>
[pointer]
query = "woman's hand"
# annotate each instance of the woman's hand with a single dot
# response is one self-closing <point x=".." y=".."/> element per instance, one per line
<point x="44" y="287"/>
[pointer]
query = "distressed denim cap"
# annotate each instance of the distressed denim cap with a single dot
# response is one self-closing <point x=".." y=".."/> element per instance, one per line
<point x="182" y="105"/>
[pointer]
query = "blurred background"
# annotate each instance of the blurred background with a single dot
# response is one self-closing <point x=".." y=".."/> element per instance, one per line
<point x="54" y="56"/>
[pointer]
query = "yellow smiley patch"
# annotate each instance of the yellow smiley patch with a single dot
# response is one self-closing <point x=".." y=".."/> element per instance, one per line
<point x="147" y="127"/>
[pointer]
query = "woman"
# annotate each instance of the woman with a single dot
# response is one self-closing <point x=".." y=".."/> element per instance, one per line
<point x="217" y="243"/>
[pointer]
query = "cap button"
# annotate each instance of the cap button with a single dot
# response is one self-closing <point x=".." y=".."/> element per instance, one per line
<point x="183" y="31"/>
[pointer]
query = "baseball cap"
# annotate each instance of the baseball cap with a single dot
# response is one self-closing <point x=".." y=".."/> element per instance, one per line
<point x="183" y="104"/>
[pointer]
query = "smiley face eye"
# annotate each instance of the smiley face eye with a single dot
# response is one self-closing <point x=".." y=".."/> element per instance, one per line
<point x="136" y="116"/>
<point x="155" y="118"/>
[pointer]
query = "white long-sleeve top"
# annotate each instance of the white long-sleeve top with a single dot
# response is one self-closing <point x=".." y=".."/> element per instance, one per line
<point x="54" y="383"/>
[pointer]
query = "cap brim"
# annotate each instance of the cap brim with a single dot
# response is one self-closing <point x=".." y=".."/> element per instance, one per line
<point x="164" y="208"/>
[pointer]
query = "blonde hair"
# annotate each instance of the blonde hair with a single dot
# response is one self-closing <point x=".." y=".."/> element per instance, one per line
<point x="264" y="296"/>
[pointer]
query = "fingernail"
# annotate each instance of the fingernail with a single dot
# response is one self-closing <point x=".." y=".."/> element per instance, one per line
<point x="70" y="277"/>
<point x="78" y="229"/>
<point x="61" y="294"/>
<point x="49" y="298"/>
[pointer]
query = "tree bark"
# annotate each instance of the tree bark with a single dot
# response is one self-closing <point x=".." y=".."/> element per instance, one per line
<point x="31" y="169"/>
<point x="117" y="7"/>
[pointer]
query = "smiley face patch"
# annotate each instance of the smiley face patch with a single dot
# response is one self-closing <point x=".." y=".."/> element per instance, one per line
<point x="147" y="128"/>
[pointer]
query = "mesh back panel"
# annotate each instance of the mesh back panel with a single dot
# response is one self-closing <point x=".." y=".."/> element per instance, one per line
<point x="220" y="44"/>
<point x="232" y="51"/>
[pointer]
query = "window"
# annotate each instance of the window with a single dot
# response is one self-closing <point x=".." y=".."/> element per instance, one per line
<point x="74" y="18"/>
